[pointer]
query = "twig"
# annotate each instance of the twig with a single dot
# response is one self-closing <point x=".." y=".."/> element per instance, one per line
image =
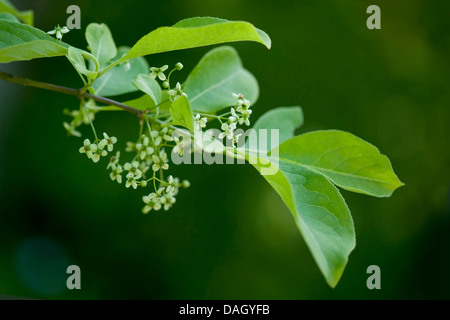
<point x="74" y="92"/>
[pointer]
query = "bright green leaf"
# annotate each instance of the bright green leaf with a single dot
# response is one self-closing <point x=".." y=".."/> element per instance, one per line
<point x="150" y="86"/>
<point x="101" y="42"/>
<point x="319" y="211"/>
<point x="348" y="161"/>
<point x="219" y="74"/>
<point x="146" y="102"/>
<point x="196" y="32"/>
<point x="142" y="103"/>
<point x="8" y="16"/>
<point x="181" y="113"/>
<point x="20" y="42"/>
<point x="284" y="119"/>
<point x="25" y="16"/>
<point x="75" y="56"/>
<point x="118" y="80"/>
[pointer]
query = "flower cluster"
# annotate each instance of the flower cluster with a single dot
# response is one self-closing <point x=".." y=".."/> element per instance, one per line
<point x="164" y="197"/>
<point x="150" y="156"/>
<point x="199" y="123"/>
<point x="240" y="113"/>
<point x="149" y="161"/>
<point x="80" y="117"/>
<point x="98" y="148"/>
<point x="174" y="93"/>
<point x="177" y="92"/>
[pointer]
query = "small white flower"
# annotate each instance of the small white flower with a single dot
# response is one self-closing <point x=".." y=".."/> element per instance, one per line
<point x="153" y="201"/>
<point x="179" y="147"/>
<point x="160" y="162"/>
<point x="228" y="130"/>
<point x="99" y="151"/>
<point x="88" y="148"/>
<point x="143" y="148"/>
<point x="236" y="139"/>
<point x="114" y="160"/>
<point x="199" y="122"/>
<point x="160" y="135"/>
<point x="168" y="200"/>
<point x="177" y="92"/>
<point x="59" y="31"/>
<point x="110" y="141"/>
<point x="241" y="101"/>
<point x="131" y="147"/>
<point x="172" y="184"/>
<point x="116" y="173"/>
<point x="144" y="166"/>
<point x="234" y="117"/>
<point x="71" y="131"/>
<point x="158" y="72"/>
<point x="131" y="181"/>
<point x="245" y="115"/>
<point x="133" y="168"/>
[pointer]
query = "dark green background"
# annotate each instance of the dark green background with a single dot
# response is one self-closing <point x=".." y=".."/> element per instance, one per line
<point x="230" y="236"/>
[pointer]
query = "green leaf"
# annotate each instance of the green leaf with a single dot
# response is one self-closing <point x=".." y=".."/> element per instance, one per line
<point x="142" y="103"/>
<point x="20" y="42"/>
<point x="285" y="119"/>
<point x="117" y="80"/>
<point x="145" y="102"/>
<point x="25" y="16"/>
<point x="196" y="32"/>
<point x="75" y="56"/>
<point x="150" y="86"/>
<point x="219" y="74"/>
<point x="8" y="16"/>
<point x="319" y="211"/>
<point x="181" y="113"/>
<point x="303" y="169"/>
<point x="348" y="161"/>
<point x="101" y="42"/>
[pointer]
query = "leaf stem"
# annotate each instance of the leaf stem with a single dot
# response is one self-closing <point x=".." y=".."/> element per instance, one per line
<point x="70" y="91"/>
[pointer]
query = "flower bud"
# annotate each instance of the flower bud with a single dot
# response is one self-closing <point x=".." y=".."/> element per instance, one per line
<point x="186" y="184"/>
<point x="179" y="66"/>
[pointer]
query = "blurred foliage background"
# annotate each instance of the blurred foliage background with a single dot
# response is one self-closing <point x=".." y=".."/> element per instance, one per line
<point x="230" y="236"/>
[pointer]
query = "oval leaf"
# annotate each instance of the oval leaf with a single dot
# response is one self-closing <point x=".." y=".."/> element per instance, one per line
<point x="181" y="113"/>
<point x="219" y="74"/>
<point x="101" y="42"/>
<point x="196" y="32"/>
<point x="79" y="63"/>
<point x="284" y="119"/>
<point x="150" y="86"/>
<point x="319" y="211"/>
<point x="20" y="42"/>
<point x="348" y="161"/>
<point x="118" y="80"/>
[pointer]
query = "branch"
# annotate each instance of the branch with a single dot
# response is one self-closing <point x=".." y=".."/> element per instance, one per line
<point x="74" y="92"/>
